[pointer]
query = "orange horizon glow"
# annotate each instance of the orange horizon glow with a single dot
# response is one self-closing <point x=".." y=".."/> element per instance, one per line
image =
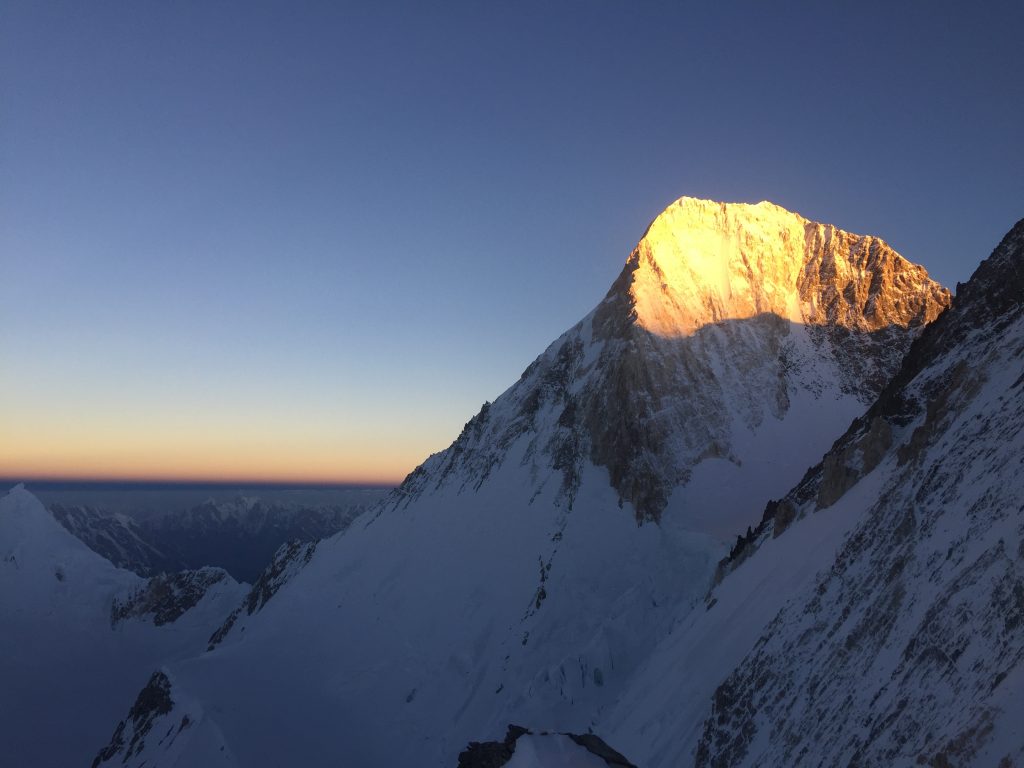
<point x="306" y="468"/>
<point x="198" y="479"/>
<point x="151" y="454"/>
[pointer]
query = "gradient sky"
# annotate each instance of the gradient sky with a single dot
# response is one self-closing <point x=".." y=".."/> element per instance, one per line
<point x="302" y="241"/>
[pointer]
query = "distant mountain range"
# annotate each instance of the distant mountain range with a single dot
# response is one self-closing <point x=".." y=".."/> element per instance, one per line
<point x="239" y="535"/>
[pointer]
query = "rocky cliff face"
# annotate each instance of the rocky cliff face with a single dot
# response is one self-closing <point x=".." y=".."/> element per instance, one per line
<point x="157" y="729"/>
<point x="910" y="648"/>
<point x="542" y="750"/>
<point x="723" y="314"/>
<point x="291" y="558"/>
<point x="165" y="598"/>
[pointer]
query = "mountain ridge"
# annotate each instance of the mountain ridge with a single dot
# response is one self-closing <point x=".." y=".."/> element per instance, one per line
<point x="877" y="615"/>
<point x="610" y="383"/>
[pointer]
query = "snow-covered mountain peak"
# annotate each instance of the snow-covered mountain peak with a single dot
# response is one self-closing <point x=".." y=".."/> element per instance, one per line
<point x="703" y="262"/>
<point x="727" y="320"/>
<point x="29" y="534"/>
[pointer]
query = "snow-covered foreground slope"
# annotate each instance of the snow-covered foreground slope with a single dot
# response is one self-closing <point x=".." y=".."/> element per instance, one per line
<point x="878" y="616"/>
<point x="524" y="574"/>
<point x="404" y="638"/>
<point x="659" y="718"/>
<point x="68" y="664"/>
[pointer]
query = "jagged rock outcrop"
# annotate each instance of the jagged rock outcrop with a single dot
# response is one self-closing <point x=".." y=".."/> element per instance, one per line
<point x="159" y="727"/>
<point x="721" y="315"/>
<point x="287" y="561"/>
<point x="910" y="648"/>
<point x="552" y="750"/>
<point x="165" y="598"/>
<point x="130" y="735"/>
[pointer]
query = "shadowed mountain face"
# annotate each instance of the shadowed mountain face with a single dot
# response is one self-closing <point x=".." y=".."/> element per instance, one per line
<point x="911" y="648"/>
<point x="507" y="580"/>
<point x="876" y="616"/>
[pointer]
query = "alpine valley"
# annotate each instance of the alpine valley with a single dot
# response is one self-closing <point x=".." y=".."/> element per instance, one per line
<point x="239" y="534"/>
<point x="761" y="506"/>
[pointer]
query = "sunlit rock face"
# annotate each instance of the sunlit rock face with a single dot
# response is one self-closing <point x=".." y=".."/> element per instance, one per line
<point x="702" y="263"/>
<point x="723" y="316"/>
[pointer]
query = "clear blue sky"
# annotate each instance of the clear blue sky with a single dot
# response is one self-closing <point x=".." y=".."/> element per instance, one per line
<point x="319" y="235"/>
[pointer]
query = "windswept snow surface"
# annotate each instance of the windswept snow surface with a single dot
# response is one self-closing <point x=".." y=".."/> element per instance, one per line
<point x="424" y="628"/>
<point x="659" y="718"/>
<point x="66" y="674"/>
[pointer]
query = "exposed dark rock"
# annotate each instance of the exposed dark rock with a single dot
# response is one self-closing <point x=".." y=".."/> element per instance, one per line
<point x="596" y="746"/>
<point x="287" y="561"/>
<point x="153" y="701"/>
<point x="167" y="596"/>
<point x="843" y="467"/>
<point x="491" y="754"/>
<point x="494" y="754"/>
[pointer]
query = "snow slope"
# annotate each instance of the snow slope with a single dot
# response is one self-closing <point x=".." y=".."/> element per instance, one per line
<point x="877" y="616"/>
<point x="525" y="573"/>
<point x="67" y="668"/>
